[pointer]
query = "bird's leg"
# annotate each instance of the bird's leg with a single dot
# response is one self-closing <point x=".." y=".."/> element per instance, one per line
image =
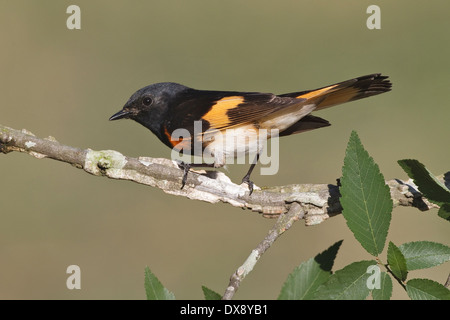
<point x="246" y="178"/>
<point x="187" y="166"/>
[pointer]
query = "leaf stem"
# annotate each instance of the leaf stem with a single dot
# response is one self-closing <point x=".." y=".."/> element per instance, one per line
<point x="393" y="275"/>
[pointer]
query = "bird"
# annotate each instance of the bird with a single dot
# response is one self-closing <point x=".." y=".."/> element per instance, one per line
<point x="210" y="118"/>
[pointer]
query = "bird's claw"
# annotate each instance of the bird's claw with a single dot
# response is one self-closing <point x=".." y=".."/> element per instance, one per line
<point x="250" y="184"/>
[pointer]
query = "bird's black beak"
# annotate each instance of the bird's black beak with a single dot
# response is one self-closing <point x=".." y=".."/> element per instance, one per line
<point x="122" y="114"/>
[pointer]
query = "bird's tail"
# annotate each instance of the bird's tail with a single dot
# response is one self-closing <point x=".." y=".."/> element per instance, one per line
<point x="350" y="90"/>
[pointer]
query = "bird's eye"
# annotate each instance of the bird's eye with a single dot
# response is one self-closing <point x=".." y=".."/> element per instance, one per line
<point x="147" y="101"/>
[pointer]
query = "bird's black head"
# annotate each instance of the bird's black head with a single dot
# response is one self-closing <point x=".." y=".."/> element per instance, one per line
<point x="149" y="105"/>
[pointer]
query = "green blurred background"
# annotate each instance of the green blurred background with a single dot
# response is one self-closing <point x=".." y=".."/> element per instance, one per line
<point x="66" y="83"/>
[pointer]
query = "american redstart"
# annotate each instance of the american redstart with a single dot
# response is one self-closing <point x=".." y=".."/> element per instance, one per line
<point x="165" y="107"/>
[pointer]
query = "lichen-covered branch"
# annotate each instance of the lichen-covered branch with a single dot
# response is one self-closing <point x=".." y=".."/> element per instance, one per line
<point x="319" y="201"/>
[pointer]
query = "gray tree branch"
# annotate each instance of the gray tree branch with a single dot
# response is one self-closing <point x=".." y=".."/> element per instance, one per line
<point x="284" y="222"/>
<point x="319" y="201"/>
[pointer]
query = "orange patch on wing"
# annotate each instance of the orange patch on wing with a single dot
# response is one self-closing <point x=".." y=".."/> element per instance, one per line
<point x="315" y="93"/>
<point x="217" y="116"/>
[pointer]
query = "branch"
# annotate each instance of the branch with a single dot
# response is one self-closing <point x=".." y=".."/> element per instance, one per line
<point x="284" y="222"/>
<point x="319" y="201"/>
<point x="312" y="202"/>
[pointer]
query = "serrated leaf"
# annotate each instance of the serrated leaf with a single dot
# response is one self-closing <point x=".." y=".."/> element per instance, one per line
<point x="397" y="262"/>
<point x="424" y="254"/>
<point x="384" y="292"/>
<point x="308" y="276"/>
<point x="427" y="183"/>
<point x="366" y="199"/>
<point x="444" y="211"/>
<point x="349" y="283"/>
<point x="210" y="294"/>
<point x="425" y="289"/>
<point x="154" y="289"/>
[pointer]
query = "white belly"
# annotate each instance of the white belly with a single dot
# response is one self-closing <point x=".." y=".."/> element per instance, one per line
<point x="236" y="144"/>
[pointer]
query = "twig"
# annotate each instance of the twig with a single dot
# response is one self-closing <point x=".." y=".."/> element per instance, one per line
<point x="283" y="223"/>
<point x="388" y="269"/>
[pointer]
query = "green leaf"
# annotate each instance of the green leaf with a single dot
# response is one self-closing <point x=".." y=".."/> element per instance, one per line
<point x="424" y="254"/>
<point x="210" y="294"/>
<point x="397" y="262"/>
<point x="384" y="292"/>
<point x="154" y="289"/>
<point x="444" y="211"/>
<point x="425" y="289"/>
<point x="308" y="276"/>
<point x="366" y="199"/>
<point x="349" y="283"/>
<point x="427" y="183"/>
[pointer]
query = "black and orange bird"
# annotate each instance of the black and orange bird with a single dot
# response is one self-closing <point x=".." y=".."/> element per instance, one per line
<point x="165" y="107"/>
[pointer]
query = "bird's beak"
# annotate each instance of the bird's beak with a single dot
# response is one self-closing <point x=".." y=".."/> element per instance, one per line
<point x="122" y="114"/>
